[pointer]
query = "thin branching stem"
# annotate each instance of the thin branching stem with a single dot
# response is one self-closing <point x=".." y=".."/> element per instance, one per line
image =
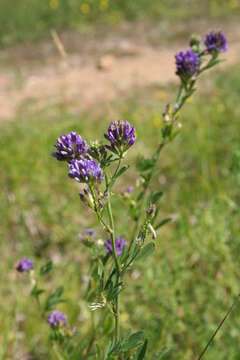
<point x="228" y="313"/>
<point x="114" y="251"/>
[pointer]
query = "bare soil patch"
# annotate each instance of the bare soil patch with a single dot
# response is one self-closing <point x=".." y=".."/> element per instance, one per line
<point x="98" y="67"/>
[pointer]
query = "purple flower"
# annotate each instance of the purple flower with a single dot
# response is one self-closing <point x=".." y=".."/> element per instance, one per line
<point x="126" y="193"/>
<point x="90" y="232"/>
<point x="70" y="147"/>
<point x="57" y="318"/>
<point x="120" y="243"/>
<point x="187" y="63"/>
<point x="85" y="171"/>
<point x="129" y="189"/>
<point x="24" y="265"/>
<point x="215" y="42"/>
<point x="121" y="136"/>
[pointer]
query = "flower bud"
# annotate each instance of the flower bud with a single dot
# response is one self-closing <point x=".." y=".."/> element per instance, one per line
<point x="195" y="42"/>
<point x="87" y="198"/>
<point x="151" y="211"/>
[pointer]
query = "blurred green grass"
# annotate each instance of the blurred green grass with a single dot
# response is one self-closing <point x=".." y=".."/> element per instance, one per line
<point x="189" y="283"/>
<point x="28" y="20"/>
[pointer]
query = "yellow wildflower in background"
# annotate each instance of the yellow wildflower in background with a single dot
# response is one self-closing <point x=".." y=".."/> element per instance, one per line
<point x="85" y="8"/>
<point x="54" y="4"/>
<point x="161" y="95"/>
<point x="103" y="4"/>
<point x="234" y="4"/>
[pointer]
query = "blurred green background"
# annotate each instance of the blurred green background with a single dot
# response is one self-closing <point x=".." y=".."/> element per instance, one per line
<point x="32" y="19"/>
<point x="181" y="293"/>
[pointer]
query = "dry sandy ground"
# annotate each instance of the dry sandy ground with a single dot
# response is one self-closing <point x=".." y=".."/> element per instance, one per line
<point x="98" y="68"/>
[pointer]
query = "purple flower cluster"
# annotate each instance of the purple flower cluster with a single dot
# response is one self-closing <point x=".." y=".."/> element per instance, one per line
<point x="121" y="136"/>
<point x="57" y="318"/>
<point x="85" y="171"/>
<point x="187" y="63"/>
<point x="24" y="265"/>
<point x="70" y="147"/>
<point x="215" y="42"/>
<point x="120" y="243"/>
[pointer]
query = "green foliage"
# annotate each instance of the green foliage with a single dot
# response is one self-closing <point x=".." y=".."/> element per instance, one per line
<point x="193" y="275"/>
<point x="54" y="299"/>
<point x="33" y="19"/>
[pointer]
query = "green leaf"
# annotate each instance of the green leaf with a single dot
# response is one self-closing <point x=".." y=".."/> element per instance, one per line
<point x="122" y="171"/>
<point x="133" y="341"/>
<point x="108" y="350"/>
<point x="143" y="164"/>
<point x="54" y="298"/>
<point x="162" y="223"/>
<point x="141" y="352"/>
<point x="45" y="269"/>
<point x="100" y="268"/>
<point x="112" y="292"/>
<point x="36" y="291"/>
<point x="140" y="196"/>
<point x="119" y="173"/>
<point x="146" y="251"/>
<point x="154" y="198"/>
<point x="98" y="354"/>
<point x="117" y="350"/>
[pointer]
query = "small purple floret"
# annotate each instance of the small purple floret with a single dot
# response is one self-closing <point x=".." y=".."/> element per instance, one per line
<point x="129" y="189"/>
<point x="57" y="318"/>
<point x="187" y="63"/>
<point x="24" y="265"/>
<point x="90" y="232"/>
<point x="120" y="243"/>
<point x="85" y="171"/>
<point x="121" y="136"/>
<point x="70" y="147"/>
<point x="215" y="42"/>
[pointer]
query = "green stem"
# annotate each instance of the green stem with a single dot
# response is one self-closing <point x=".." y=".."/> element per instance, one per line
<point x="117" y="319"/>
<point x="230" y="310"/>
<point x="99" y="217"/>
<point x="180" y="100"/>
<point x="114" y="251"/>
<point x="117" y="265"/>
<point x="179" y="95"/>
<point x="109" y="186"/>
<point x="113" y="235"/>
<point x="146" y="186"/>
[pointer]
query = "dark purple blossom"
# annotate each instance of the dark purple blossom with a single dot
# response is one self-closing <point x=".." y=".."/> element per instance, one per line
<point x="85" y="171"/>
<point x="70" y="146"/>
<point x="121" y="136"/>
<point x="24" y="265"/>
<point x="187" y="63"/>
<point x="120" y="243"/>
<point x="215" y="42"/>
<point x="57" y="318"/>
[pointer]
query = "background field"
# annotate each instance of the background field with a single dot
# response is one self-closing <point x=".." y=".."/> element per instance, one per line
<point x="183" y="291"/>
<point x="32" y="19"/>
